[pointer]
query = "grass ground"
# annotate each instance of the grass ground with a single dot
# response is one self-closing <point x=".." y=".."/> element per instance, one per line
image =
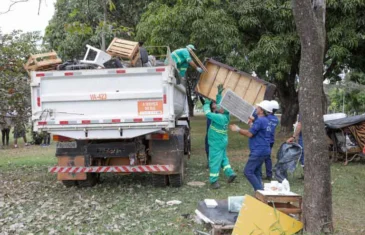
<point x="33" y="202"/>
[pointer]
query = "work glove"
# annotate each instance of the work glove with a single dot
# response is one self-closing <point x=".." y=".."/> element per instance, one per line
<point x="234" y="128"/>
<point x="220" y="88"/>
<point x="207" y="101"/>
<point x="200" y="70"/>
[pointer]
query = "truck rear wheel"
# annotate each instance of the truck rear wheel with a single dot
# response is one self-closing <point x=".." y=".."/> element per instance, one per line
<point x="91" y="180"/>
<point x="159" y="180"/>
<point x="69" y="183"/>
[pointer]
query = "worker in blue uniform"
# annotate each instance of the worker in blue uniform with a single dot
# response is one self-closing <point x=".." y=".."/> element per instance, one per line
<point x="258" y="144"/>
<point x="271" y="128"/>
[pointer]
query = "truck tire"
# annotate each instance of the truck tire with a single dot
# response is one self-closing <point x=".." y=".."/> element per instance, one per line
<point x="69" y="183"/>
<point x="177" y="180"/>
<point x="91" y="180"/>
<point x="159" y="180"/>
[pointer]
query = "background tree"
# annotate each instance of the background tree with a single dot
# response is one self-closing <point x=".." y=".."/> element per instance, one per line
<point x="205" y="24"/>
<point x="310" y="21"/>
<point x="78" y="22"/>
<point x="15" y="49"/>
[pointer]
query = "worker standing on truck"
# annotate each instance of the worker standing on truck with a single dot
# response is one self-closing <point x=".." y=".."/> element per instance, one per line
<point x="259" y="146"/>
<point x="183" y="59"/>
<point x="218" y="141"/>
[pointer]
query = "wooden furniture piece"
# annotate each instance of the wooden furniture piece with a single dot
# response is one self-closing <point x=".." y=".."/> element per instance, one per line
<point x="197" y="60"/>
<point x="252" y="89"/>
<point x="290" y="204"/>
<point x="42" y="62"/>
<point x="124" y="49"/>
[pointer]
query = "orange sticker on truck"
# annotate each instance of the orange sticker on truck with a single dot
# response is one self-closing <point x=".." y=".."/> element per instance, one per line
<point x="101" y="96"/>
<point x="150" y="107"/>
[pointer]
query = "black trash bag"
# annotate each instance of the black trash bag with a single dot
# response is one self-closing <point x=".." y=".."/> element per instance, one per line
<point x="288" y="156"/>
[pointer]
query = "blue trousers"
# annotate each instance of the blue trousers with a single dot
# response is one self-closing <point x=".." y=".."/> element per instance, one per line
<point x="300" y="142"/>
<point x="268" y="164"/>
<point x="253" y="169"/>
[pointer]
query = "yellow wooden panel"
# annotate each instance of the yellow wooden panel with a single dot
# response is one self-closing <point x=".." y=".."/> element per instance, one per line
<point x="232" y="81"/>
<point x="219" y="79"/>
<point x="242" y="86"/>
<point x="207" y="80"/>
<point x="256" y="218"/>
<point x="253" y="91"/>
<point x="260" y="97"/>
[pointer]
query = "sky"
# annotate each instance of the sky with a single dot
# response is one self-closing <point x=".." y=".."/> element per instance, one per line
<point x="24" y="15"/>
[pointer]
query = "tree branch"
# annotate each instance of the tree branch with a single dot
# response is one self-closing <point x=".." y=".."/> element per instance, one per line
<point x="13" y="3"/>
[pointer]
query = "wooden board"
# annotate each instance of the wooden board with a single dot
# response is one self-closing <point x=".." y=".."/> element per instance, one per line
<point x="42" y="62"/>
<point x="252" y="89"/>
<point x="258" y="218"/>
<point x="124" y="49"/>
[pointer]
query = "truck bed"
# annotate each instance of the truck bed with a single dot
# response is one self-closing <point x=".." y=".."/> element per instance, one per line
<point x="106" y="103"/>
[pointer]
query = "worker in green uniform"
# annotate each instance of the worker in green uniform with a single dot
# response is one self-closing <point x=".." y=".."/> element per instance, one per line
<point x="218" y="141"/>
<point x="183" y="59"/>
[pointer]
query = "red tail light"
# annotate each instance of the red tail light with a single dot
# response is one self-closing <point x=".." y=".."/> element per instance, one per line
<point x="69" y="74"/>
<point x="160" y="70"/>
<point x="40" y="75"/>
<point x="63" y="122"/>
<point x="85" y="121"/>
<point x="39" y="101"/>
<point x="61" y="138"/>
<point x="137" y="120"/>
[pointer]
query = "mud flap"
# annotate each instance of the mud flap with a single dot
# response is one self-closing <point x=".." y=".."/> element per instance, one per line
<point x="169" y="152"/>
<point x="71" y="161"/>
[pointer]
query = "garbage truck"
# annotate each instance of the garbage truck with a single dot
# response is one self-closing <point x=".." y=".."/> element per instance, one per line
<point x="120" y="120"/>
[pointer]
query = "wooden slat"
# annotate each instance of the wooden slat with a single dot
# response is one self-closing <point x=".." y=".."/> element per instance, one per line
<point x="207" y="80"/>
<point x="197" y="60"/>
<point x="260" y="96"/>
<point x="219" y="79"/>
<point x="242" y="86"/>
<point x="232" y="82"/>
<point x="252" y="92"/>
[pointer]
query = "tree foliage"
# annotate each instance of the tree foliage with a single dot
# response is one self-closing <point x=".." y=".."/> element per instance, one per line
<point x="15" y="49"/>
<point x="78" y="22"/>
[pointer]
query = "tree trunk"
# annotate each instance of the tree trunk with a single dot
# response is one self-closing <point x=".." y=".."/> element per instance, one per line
<point x="103" y="46"/>
<point x="309" y="17"/>
<point x="288" y="97"/>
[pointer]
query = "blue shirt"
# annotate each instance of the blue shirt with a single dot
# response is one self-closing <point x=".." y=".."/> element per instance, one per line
<point x="258" y="143"/>
<point x="273" y="122"/>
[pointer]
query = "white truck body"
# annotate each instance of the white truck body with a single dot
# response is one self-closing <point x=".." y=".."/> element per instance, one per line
<point x="107" y="103"/>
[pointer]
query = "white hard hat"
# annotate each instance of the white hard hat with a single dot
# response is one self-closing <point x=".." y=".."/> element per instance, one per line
<point x="265" y="105"/>
<point x="274" y="104"/>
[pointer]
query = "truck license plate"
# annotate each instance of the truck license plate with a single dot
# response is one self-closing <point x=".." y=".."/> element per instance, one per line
<point x="67" y="145"/>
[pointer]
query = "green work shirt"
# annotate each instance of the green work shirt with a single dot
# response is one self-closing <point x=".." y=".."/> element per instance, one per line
<point x="182" y="58"/>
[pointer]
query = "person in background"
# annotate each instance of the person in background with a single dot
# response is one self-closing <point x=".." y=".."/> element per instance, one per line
<point x="213" y="106"/>
<point x="144" y="55"/>
<point x="297" y="136"/>
<point x="19" y="129"/>
<point x="218" y="141"/>
<point x="5" y="126"/>
<point x="258" y="144"/>
<point x="273" y="123"/>
<point x="183" y="59"/>
<point x="46" y="139"/>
